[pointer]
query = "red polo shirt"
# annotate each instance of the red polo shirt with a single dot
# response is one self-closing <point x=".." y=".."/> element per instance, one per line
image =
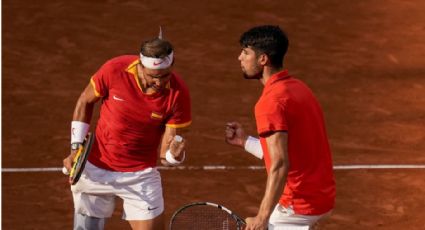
<point x="287" y="104"/>
<point x="131" y="123"/>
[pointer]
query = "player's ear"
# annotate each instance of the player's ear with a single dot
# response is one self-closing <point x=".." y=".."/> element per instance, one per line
<point x="263" y="59"/>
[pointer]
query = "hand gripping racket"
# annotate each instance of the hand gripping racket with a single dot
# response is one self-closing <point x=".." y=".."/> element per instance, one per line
<point x="80" y="159"/>
<point x="206" y="216"/>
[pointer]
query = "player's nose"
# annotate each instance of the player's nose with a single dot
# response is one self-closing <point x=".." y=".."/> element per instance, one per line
<point x="240" y="57"/>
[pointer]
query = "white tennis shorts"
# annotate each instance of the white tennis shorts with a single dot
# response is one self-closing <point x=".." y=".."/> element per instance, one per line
<point x="94" y="194"/>
<point x="285" y="219"/>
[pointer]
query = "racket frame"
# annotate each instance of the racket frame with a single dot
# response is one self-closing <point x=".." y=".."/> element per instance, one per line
<point x="240" y="222"/>
<point x="80" y="159"/>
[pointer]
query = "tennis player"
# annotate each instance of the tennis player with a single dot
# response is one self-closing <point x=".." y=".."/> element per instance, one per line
<point x="300" y="187"/>
<point x="144" y="106"/>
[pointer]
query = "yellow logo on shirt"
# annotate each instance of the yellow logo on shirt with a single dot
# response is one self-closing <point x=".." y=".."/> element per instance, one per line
<point x="157" y="116"/>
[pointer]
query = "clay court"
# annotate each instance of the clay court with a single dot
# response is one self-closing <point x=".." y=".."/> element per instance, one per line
<point x="363" y="59"/>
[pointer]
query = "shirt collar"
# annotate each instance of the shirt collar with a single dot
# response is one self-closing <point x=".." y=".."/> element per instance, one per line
<point x="277" y="77"/>
<point x="132" y="68"/>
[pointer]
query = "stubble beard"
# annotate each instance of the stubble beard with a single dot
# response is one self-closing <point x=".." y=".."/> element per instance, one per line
<point x="256" y="76"/>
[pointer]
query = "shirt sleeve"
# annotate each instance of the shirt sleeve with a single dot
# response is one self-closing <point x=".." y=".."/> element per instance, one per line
<point x="271" y="118"/>
<point x="101" y="80"/>
<point x="181" y="116"/>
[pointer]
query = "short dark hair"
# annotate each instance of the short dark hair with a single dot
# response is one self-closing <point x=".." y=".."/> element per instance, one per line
<point x="267" y="39"/>
<point x="156" y="48"/>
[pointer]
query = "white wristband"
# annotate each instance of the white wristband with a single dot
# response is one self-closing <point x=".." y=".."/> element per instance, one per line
<point x="79" y="131"/>
<point x="170" y="158"/>
<point x="253" y="146"/>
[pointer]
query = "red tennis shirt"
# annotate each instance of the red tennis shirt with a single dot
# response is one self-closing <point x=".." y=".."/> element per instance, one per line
<point x="287" y="104"/>
<point x="131" y="123"/>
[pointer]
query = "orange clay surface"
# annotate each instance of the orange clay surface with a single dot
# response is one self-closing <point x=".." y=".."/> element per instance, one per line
<point x="363" y="59"/>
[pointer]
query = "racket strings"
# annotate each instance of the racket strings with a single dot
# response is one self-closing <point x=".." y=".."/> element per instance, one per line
<point x="203" y="217"/>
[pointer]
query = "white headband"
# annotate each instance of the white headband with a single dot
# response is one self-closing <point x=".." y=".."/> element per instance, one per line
<point x="157" y="63"/>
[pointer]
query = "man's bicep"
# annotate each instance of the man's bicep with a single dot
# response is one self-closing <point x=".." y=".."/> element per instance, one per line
<point x="277" y="144"/>
<point x="169" y="133"/>
<point x="89" y="94"/>
<point x="181" y="116"/>
<point x="85" y="104"/>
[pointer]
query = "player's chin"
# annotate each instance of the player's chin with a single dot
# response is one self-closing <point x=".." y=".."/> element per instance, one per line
<point x="250" y="77"/>
<point x="157" y="88"/>
<point x="252" y="74"/>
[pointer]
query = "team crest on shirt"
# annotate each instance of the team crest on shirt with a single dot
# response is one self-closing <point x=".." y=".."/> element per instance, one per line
<point x="156" y="116"/>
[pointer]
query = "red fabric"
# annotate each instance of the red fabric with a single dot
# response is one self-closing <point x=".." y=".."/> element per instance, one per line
<point x="287" y="104"/>
<point x="131" y="123"/>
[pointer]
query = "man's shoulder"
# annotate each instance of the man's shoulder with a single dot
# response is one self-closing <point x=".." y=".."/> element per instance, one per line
<point x="287" y="86"/>
<point x="123" y="60"/>
<point x="277" y="93"/>
<point x="117" y="65"/>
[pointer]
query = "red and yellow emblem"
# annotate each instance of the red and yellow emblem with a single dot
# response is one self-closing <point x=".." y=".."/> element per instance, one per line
<point x="156" y="116"/>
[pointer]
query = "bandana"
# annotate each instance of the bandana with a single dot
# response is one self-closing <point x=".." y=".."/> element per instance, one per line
<point x="157" y="63"/>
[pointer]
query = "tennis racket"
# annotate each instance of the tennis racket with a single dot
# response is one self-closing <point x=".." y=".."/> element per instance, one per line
<point x="206" y="216"/>
<point x="80" y="159"/>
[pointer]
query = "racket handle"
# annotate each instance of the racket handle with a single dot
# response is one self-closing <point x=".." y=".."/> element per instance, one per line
<point x="65" y="171"/>
<point x="77" y="155"/>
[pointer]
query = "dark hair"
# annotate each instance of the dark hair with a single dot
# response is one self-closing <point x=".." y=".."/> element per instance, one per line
<point x="267" y="39"/>
<point x="156" y="48"/>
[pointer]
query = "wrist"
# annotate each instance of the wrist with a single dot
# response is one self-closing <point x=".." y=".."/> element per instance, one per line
<point x="79" y="131"/>
<point x="244" y="140"/>
<point x="172" y="160"/>
<point x="253" y="146"/>
<point x="263" y="214"/>
<point x="263" y="217"/>
<point x="75" y="146"/>
<point x="180" y="157"/>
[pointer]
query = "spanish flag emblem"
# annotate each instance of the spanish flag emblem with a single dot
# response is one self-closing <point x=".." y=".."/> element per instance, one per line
<point x="156" y="116"/>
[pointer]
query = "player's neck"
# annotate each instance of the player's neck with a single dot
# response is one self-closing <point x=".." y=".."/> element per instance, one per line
<point x="268" y="72"/>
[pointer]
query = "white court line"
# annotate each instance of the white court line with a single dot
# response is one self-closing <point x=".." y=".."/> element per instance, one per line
<point x="223" y="167"/>
<point x="346" y="167"/>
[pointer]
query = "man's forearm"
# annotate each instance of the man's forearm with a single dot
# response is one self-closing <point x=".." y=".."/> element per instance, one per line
<point x="83" y="112"/>
<point x="274" y="188"/>
<point x="277" y="145"/>
<point x="84" y="108"/>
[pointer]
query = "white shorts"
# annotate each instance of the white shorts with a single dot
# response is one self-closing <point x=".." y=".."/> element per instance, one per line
<point x="285" y="219"/>
<point x="94" y="194"/>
